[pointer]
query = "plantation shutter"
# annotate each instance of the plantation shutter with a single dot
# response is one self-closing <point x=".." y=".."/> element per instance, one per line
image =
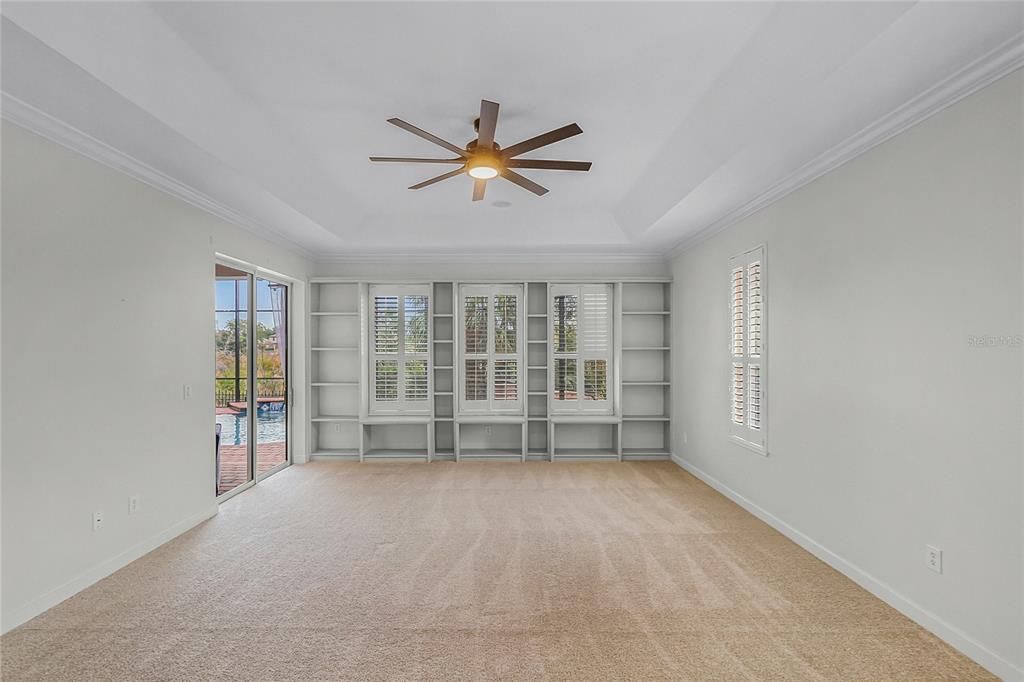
<point x="747" y="348"/>
<point x="581" y="347"/>
<point x="491" y="348"/>
<point x="400" y="349"/>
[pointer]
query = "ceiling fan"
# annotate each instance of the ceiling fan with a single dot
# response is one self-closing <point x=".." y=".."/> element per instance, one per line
<point x="483" y="159"/>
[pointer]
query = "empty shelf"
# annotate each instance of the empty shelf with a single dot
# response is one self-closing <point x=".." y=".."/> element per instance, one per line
<point x="332" y="314"/>
<point x="350" y="348"/>
<point x="646" y="312"/>
<point x="536" y="367"/>
<point x="645" y="418"/>
<point x="336" y="453"/>
<point x="537" y="315"/>
<point x="335" y="383"/>
<point x="336" y="418"/>
<point x="646" y="383"/>
<point x="582" y="453"/>
<point x="645" y="348"/>
<point x="395" y="454"/>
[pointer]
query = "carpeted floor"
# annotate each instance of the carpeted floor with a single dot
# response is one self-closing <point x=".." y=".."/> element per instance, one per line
<point x="478" y="571"/>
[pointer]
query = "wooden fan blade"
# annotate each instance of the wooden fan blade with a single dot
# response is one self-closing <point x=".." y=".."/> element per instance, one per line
<point x="439" y="178"/>
<point x="427" y="136"/>
<point x="488" y="122"/>
<point x="479" y="187"/>
<point x="541" y="140"/>
<point x="525" y="183"/>
<point x="403" y="159"/>
<point x="545" y="164"/>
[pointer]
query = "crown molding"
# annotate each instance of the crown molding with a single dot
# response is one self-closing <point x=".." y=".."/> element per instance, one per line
<point x="990" y="67"/>
<point x="571" y="252"/>
<point x="39" y="122"/>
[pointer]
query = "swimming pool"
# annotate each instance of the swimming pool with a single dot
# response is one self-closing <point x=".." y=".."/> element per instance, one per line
<point x="270" y="427"/>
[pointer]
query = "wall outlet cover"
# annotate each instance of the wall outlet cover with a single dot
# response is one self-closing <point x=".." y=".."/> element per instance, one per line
<point x="933" y="558"/>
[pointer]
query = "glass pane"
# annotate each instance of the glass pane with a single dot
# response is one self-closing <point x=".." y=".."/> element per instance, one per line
<point x="506" y="380"/>
<point x="565" y="379"/>
<point x="386" y="380"/>
<point x="564" y="320"/>
<point x="476" y="324"/>
<point x="270" y="338"/>
<point x="476" y="380"/>
<point x="595" y="380"/>
<point x="415" y="309"/>
<point x="505" y="321"/>
<point x="416" y="380"/>
<point x="231" y="346"/>
<point x="385" y="324"/>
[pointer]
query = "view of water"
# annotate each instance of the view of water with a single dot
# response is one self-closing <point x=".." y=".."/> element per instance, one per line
<point x="270" y="427"/>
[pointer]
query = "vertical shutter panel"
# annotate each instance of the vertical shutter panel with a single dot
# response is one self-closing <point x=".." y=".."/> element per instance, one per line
<point x="386" y="380"/>
<point x="754" y="309"/>
<point x="595" y="322"/>
<point x="565" y="379"/>
<point x="415" y="318"/>
<point x="385" y="324"/>
<point x="595" y="380"/>
<point x="737" y="312"/>
<point x="476" y="380"/>
<point x="415" y="379"/>
<point x="506" y="380"/>
<point x="475" y="320"/>
<point x="505" y="323"/>
<point x="754" y="396"/>
<point x="564" y="324"/>
<point x="738" y="399"/>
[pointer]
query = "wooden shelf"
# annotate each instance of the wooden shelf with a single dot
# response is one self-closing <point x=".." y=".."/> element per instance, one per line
<point x="444" y="392"/>
<point x="581" y="453"/>
<point x="537" y="341"/>
<point x="496" y="453"/>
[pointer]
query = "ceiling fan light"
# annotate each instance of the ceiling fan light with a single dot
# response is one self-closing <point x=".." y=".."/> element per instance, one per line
<point x="483" y="172"/>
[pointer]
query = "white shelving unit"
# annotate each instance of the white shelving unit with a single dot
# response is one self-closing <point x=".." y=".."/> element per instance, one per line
<point x="646" y="370"/>
<point x="341" y="428"/>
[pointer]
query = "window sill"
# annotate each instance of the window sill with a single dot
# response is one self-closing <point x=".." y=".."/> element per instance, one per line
<point x="759" y="449"/>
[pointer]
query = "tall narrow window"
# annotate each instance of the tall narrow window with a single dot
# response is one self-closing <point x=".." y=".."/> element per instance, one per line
<point x="400" y="349"/>
<point x="581" y="346"/>
<point x="747" y="349"/>
<point x="492" y="348"/>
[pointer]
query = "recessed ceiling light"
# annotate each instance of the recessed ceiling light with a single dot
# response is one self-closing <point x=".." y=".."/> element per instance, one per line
<point x="501" y="204"/>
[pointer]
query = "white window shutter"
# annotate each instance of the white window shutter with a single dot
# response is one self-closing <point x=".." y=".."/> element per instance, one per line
<point x="492" y="349"/>
<point x="581" y="348"/>
<point x="747" y="349"/>
<point x="400" y="349"/>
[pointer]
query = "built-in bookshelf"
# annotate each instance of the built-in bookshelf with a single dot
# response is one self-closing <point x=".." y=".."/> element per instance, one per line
<point x="637" y="427"/>
<point x="646" y="370"/>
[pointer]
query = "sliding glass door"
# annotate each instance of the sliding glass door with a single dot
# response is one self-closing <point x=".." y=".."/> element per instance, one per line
<point x="251" y="378"/>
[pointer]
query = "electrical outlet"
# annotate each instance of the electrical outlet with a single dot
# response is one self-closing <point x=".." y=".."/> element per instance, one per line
<point x="337" y="427"/>
<point x="933" y="558"/>
<point x="133" y="504"/>
<point x="97" y="520"/>
<point x="186" y="391"/>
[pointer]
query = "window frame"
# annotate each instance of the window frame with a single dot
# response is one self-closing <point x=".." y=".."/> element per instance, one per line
<point x="403" y="405"/>
<point x="490" y="405"/>
<point x="580" y="405"/>
<point x="744" y="434"/>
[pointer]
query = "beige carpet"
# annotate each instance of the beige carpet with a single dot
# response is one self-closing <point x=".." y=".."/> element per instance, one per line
<point x="478" y="571"/>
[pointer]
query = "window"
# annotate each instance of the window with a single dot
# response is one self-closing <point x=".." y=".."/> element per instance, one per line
<point x="491" y="348"/>
<point x="747" y="349"/>
<point x="399" y="348"/>
<point x="581" y="347"/>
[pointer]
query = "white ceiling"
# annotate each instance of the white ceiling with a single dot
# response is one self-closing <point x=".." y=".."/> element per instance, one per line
<point x="690" y="112"/>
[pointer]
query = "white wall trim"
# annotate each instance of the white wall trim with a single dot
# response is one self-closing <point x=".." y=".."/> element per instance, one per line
<point x="1000" y="61"/>
<point x="48" y="600"/>
<point x="576" y="253"/>
<point x="926" y="619"/>
<point x="39" y="122"/>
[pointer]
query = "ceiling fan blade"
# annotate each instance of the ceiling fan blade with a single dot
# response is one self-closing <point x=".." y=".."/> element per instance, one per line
<point x="525" y="183"/>
<point x="479" y="187"/>
<point x="402" y="159"/>
<point x="545" y="164"/>
<point x="427" y="136"/>
<point x="488" y="122"/>
<point x="542" y="140"/>
<point x="439" y="178"/>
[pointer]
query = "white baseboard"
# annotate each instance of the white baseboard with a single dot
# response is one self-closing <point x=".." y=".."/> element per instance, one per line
<point x="48" y="600"/>
<point x="950" y="634"/>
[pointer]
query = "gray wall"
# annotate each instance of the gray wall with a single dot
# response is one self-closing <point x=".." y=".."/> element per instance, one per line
<point x="888" y="429"/>
<point x="107" y="312"/>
